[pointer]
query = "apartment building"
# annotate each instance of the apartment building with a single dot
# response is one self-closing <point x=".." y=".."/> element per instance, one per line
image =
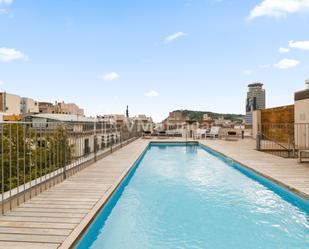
<point x="10" y="103"/>
<point x="28" y="105"/>
<point x="68" y="108"/>
<point x="60" y="108"/>
<point x="175" y="121"/>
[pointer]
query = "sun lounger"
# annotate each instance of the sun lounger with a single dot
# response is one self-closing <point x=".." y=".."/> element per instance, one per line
<point x="147" y="134"/>
<point x="200" y="133"/>
<point x="162" y="135"/>
<point x="214" y="132"/>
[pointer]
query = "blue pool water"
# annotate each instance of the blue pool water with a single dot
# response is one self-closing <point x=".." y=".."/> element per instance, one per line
<point x="188" y="197"/>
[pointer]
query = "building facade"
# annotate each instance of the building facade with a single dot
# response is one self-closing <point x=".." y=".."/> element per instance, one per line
<point x="60" y="108"/>
<point x="256" y="100"/>
<point x="10" y="103"/>
<point x="28" y="105"/>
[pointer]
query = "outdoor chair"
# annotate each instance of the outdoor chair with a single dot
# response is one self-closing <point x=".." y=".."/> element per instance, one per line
<point x="214" y="132"/>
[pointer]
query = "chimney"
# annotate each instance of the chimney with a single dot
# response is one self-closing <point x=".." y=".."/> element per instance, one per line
<point x="307" y="83"/>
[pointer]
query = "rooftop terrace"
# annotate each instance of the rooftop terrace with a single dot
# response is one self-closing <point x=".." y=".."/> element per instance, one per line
<point x="56" y="218"/>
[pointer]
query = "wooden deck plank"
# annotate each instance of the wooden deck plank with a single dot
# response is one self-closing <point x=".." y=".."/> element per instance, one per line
<point x="32" y="238"/>
<point x="41" y="219"/>
<point x="58" y="214"/>
<point x="52" y="210"/>
<point x="35" y="231"/>
<point x="26" y="224"/>
<point x="26" y="245"/>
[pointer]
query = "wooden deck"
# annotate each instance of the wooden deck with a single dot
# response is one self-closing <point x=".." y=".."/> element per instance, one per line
<point x="56" y="218"/>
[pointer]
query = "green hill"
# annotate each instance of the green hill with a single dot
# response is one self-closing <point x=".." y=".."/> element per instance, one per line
<point x="198" y="115"/>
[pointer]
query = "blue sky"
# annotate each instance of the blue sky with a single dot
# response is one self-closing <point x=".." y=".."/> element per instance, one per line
<point x="155" y="56"/>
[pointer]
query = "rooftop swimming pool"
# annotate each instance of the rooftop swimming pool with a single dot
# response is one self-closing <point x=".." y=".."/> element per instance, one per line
<point x="188" y="196"/>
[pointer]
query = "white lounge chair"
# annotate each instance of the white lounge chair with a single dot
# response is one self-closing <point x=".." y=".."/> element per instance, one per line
<point x="147" y="134"/>
<point x="214" y="132"/>
<point x="200" y="133"/>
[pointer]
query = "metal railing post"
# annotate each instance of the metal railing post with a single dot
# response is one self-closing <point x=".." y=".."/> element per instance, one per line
<point x="65" y="154"/>
<point x="94" y="142"/>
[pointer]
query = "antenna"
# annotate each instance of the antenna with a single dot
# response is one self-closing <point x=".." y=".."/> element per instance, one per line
<point x="127" y="111"/>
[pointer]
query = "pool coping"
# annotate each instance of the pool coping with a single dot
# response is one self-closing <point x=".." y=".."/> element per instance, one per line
<point x="72" y="240"/>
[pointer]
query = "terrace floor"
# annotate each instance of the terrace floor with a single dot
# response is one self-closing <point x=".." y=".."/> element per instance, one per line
<point x="56" y="217"/>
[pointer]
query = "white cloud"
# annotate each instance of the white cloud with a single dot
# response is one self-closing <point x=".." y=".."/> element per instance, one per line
<point x="1" y="83"/>
<point x="152" y="94"/>
<point x="278" y="8"/>
<point x="11" y="54"/>
<point x="6" y="2"/>
<point x="284" y="50"/>
<point x="299" y="44"/>
<point x="111" y="76"/>
<point x="286" y="64"/>
<point x="248" y="72"/>
<point x="173" y="37"/>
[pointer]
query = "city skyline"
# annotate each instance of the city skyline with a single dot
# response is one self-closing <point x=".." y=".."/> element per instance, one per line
<point x="155" y="57"/>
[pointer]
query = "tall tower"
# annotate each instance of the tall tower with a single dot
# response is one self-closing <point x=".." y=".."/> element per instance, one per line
<point x="127" y="112"/>
<point x="255" y="100"/>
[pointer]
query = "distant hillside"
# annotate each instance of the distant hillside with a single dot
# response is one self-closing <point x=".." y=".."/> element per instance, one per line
<point x="198" y="115"/>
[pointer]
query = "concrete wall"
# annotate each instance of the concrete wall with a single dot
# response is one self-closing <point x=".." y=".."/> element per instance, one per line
<point x="256" y="122"/>
<point x="302" y="123"/>
<point x="302" y="111"/>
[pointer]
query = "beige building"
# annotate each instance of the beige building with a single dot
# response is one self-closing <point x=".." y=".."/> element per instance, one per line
<point x="46" y="107"/>
<point x="69" y="108"/>
<point x="145" y="123"/>
<point x="10" y="103"/>
<point x="28" y="105"/>
<point x="60" y="108"/>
